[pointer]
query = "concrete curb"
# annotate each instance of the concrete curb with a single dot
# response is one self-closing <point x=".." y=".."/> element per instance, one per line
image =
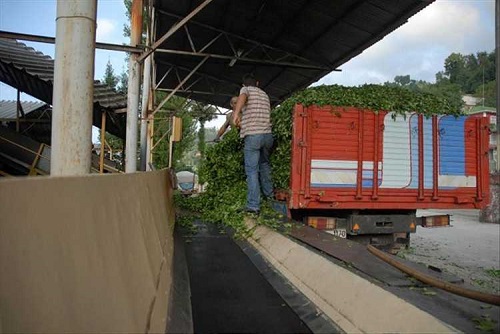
<point x="352" y="302"/>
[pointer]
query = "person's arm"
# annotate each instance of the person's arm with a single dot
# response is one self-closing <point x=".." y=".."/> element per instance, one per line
<point x="222" y="130"/>
<point x="242" y="99"/>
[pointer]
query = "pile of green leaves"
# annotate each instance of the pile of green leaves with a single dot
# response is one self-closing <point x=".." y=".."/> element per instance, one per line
<point x="223" y="168"/>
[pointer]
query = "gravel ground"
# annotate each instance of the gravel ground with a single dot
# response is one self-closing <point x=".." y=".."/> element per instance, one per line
<point x="468" y="249"/>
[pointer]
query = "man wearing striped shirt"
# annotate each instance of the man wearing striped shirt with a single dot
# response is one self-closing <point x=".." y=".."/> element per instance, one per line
<point x="253" y="114"/>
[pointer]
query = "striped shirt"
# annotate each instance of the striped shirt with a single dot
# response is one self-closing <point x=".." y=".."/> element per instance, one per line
<point x="256" y="115"/>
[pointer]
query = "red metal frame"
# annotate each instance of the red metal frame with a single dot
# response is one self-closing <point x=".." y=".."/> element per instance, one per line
<point x="319" y="133"/>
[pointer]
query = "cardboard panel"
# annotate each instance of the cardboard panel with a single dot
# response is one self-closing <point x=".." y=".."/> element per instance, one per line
<point x="83" y="254"/>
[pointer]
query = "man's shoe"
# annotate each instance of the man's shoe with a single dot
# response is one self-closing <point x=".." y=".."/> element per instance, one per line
<point x="252" y="211"/>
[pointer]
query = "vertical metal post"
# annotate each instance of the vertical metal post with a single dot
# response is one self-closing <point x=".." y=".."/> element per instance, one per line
<point x="149" y="146"/>
<point x="146" y="83"/>
<point x="421" y="164"/>
<point x="18" y="104"/>
<point x="133" y="89"/>
<point x="497" y="43"/>
<point x="73" y="87"/>
<point x="103" y="142"/>
<point x="171" y="148"/>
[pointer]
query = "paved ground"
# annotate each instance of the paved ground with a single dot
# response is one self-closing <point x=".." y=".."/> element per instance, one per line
<point x="228" y="293"/>
<point x="468" y="249"/>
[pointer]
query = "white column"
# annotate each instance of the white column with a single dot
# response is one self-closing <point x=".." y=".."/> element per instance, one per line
<point x="134" y="83"/>
<point x="73" y="95"/>
<point x="144" y="112"/>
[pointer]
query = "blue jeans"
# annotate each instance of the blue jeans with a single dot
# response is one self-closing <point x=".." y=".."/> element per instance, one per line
<point x="258" y="168"/>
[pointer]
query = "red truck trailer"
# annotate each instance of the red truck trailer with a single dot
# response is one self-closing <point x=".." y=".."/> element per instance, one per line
<point x="359" y="172"/>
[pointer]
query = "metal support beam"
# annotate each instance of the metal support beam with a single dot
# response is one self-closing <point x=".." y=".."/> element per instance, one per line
<point x="103" y="141"/>
<point x="173" y="29"/>
<point x="169" y="96"/>
<point x="52" y="40"/>
<point x="134" y="83"/>
<point x="18" y="111"/>
<point x="149" y="150"/>
<point x="25" y="120"/>
<point x="194" y="92"/>
<point x="497" y="43"/>
<point x="162" y="12"/>
<point x="236" y="84"/>
<point x="245" y="59"/>
<point x="73" y="103"/>
<point x="146" y="84"/>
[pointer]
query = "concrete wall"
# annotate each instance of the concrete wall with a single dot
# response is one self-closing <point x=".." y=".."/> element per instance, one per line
<point x="86" y="254"/>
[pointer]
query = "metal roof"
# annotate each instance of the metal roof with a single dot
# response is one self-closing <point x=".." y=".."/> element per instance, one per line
<point x="8" y="109"/>
<point x="32" y="72"/>
<point x="288" y="45"/>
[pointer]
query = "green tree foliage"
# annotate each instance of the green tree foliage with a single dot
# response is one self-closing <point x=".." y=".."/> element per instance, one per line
<point x="445" y="89"/>
<point x="179" y="107"/>
<point x="468" y="71"/>
<point x="122" y="85"/>
<point x="115" y="143"/>
<point x="203" y="113"/>
<point x="110" y="78"/>
<point x="490" y="93"/>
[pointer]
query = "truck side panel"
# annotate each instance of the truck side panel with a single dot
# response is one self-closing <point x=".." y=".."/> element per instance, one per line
<point x="348" y="158"/>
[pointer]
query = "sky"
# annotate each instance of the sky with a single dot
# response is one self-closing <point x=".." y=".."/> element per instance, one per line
<point x="417" y="48"/>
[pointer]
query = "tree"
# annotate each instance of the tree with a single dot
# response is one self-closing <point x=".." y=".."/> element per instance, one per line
<point x="177" y="106"/>
<point x="204" y="113"/>
<point x="110" y="78"/>
<point x="115" y="143"/>
<point x="122" y="86"/>
<point x="468" y="71"/>
<point x="444" y="88"/>
<point x="490" y="93"/>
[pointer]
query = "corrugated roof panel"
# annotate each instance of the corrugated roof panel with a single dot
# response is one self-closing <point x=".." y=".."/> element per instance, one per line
<point x="8" y="109"/>
<point x="22" y="66"/>
<point x="32" y="72"/>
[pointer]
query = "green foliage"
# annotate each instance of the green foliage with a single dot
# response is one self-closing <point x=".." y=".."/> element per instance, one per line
<point x="162" y="125"/>
<point x="468" y="71"/>
<point x="490" y="93"/>
<point x="493" y="272"/>
<point x="122" y="85"/>
<point x="110" y="78"/>
<point x="484" y="323"/>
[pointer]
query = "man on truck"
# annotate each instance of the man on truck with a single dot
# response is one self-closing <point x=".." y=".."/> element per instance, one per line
<point x="253" y="114"/>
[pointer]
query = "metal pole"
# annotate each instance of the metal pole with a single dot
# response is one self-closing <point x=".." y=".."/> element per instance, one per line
<point x="73" y="95"/>
<point x="146" y="84"/>
<point x="149" y="150"/>
<point x="497" y="43"/>
<point x="103" y="142"/>
<point x="193" y="71"/>
<point x="133" y="90"/>
<point x="52" y="40"/>
<point x="173" y="29"/>
<point x="17" y="109"/>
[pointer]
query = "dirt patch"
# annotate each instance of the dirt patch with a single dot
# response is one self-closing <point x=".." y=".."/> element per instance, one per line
<point x="468" y="249"/>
